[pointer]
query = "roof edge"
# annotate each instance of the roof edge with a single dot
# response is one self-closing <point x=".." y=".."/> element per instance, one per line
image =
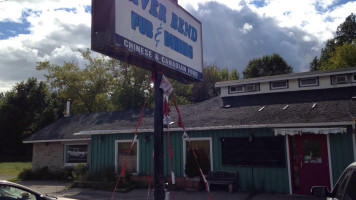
<point x="59" y="140"/>
<point x="291" y="125"/>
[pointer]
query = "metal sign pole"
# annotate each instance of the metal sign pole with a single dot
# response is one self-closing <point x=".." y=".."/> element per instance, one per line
<point x="159" y="193"/>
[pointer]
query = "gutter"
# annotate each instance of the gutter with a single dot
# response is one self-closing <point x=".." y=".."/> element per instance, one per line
<point x="59" y="140"/>
<point x="292" y="125"/>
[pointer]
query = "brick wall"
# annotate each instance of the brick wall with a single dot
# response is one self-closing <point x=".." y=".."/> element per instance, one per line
<point x="51" y="154"/>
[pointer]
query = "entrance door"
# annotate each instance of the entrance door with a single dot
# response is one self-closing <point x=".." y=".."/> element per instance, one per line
<point x="309" y="162"/>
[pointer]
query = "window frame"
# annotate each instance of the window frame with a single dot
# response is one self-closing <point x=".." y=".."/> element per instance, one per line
<point x="278" y="88"/>
<point x="353" y="78"/>
<point x="309" y="85"/>
<point x="67" y="164"/>
<point x="138" y="154"/>
<point x="335" y="82"/>
<point x="255" y="87"/>
<point x="197" y="139"/>
<point x="237" y="91"/>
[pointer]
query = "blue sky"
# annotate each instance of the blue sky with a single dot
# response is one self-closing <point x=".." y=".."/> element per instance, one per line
<point x="234" y="32"/>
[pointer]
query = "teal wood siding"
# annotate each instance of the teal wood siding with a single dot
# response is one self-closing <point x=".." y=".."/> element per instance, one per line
<point x="342" y="153"/>
<point x="267" y="179"/>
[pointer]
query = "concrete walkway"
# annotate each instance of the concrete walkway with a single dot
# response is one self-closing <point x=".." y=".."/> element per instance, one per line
<point x="58" y="188"/>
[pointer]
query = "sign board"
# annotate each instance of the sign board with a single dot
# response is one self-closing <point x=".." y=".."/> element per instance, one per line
<point x="151" y="34"/>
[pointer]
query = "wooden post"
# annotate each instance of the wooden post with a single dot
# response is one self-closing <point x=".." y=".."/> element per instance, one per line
<point x="159" y="193"/>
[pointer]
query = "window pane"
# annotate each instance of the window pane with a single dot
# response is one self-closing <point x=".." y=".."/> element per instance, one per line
<point x="308" y="82"/>
<point x="202" y="150"/>
<point x="123" y="150"/>
<point x="341" y="184"/>
<point x="279" y="84"/>
<point x="312" y="151"/>
<point x="76" y="153"/>
<point x="8" y="192"/>
<point x="351" y="187"/>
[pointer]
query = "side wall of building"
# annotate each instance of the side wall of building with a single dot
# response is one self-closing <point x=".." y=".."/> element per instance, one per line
<point x="51" y="154"/>
<point x="268" y="179"/>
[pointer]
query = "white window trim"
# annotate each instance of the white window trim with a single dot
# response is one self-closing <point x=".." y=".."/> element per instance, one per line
<point x="65" y="156"/>
<point x="138" y="154"/>
<point x="308" y="85"/>
<point x="276" y="88"/>
<point x="198" y="139"/>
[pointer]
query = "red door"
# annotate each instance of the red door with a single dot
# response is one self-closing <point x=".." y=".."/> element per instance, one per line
<point x="309" y="162"/>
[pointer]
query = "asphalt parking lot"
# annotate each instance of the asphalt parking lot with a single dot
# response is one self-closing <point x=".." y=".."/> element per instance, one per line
<point x="59" y="189"/>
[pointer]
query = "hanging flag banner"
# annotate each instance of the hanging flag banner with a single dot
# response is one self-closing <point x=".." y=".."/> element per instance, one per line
<point x="151" y="34"/>
<point x="166" y="86"/>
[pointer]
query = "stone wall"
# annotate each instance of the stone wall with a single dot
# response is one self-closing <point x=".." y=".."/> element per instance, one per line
<point x="51" y="154"/>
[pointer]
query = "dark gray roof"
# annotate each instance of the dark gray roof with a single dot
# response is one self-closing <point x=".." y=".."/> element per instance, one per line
<point x="206" y="115"/>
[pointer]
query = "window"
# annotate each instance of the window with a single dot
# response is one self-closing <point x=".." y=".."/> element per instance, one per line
<point x="235" y="89"/>
<point x="279" y="85"/>
<point x="353" y="77"/>
<point x="260" y="151"/>
<point x="202" y="148"/>
<point x="339" y="79"/>
<point x="251" y="87"/>
<point x="10" y="192"/>
<point x="306" y="82"/>
<point x="339" y="189"/>
<point x="350" y="192"/>
<point x="77" y="153"/>
<point x="123" y="150"/>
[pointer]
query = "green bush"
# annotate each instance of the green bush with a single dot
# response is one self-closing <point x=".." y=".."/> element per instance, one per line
<point x="80" y="172"/>
<point x="26" y="174"/>
<point x="46" y="174"/>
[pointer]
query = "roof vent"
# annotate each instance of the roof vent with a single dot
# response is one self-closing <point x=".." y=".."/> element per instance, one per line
<point x="227" y="106"/>
<point x="314" y="105"/>
<point x="263" y="107"/>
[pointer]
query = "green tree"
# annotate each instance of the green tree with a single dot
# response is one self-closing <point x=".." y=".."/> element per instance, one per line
<point x="345" y="33"/>
<point x="88" y="88"/>
<point x="211" y="74"/>
<point x="24" y="110"/>
<point x="132" y="87"/>
<point x="314" y="64"/>
<point x="267" y="66"/>
<point x="344" y="56"/>
<point x="234" y="75"/>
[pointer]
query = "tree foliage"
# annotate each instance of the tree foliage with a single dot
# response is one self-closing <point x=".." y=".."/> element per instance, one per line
<point x="345" y="35"/>
<point x="211" y="74"/>
<point x="268" y="65"/>
<point x="88" y="88"/>
<point x="343" y="56"/>
<point x="25" y="109"/>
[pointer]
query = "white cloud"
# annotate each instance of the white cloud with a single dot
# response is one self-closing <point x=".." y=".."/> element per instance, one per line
<point x="55" y="35"/>
<point x="246" y="28"/>
<point x="234" y="31"/>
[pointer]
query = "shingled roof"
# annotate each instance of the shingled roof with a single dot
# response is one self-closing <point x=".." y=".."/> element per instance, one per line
<point x="203" y="116"/>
